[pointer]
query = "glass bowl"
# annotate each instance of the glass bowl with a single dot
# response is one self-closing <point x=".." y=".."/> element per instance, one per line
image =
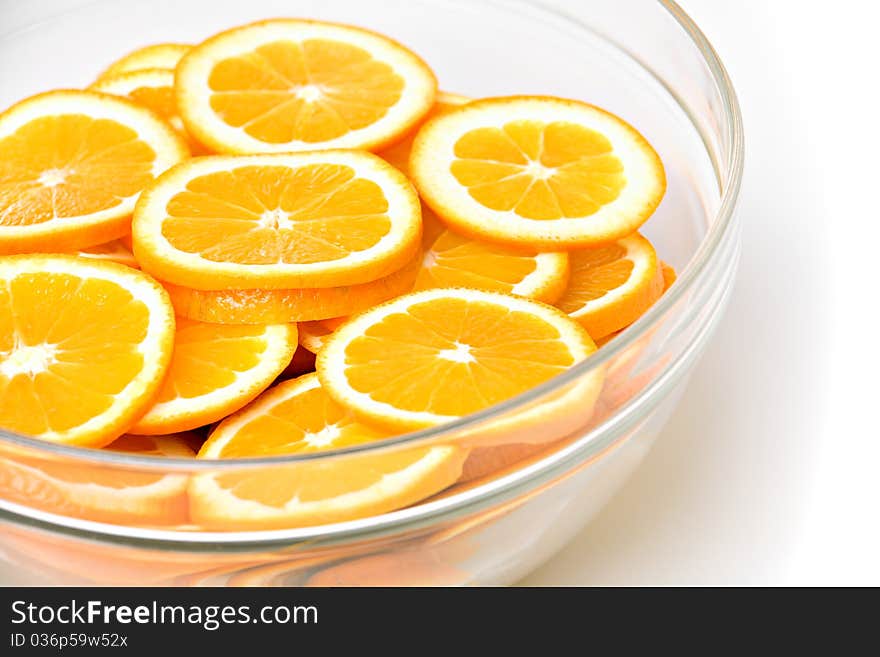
<point x="538" y="466"/>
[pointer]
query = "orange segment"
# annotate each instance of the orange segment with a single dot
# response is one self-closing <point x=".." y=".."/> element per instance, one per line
<point x="457" y="261"/>
<point x="159" y="55"/>
<point x="611" y="286"/>
<point x="84" y="345"/>
<point x="536" y="171"/>
<point x="293" y="85"/>
<point x="215" y="370"/>
<point x="99" y="492"/>
<point x="298" y="417"/>
<point x="72" y="164"/>
<point x="322" y="219"/>
<point x="152" y="88"/>
<point x="433" y="356"/>
<point x="295" y="305"/>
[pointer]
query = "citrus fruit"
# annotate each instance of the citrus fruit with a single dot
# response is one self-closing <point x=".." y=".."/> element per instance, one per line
<point x="669" y="275"/>
<point x="303" y="362"/>
<point x="98" y="492"/>
<point x="215" y="370"/>
<point x="84" y="345"/>
<point x="611" y="286"/>
<point x="292" y="85"/>
<point x="159" y="55"/>
<point x="456" y="261"/>
<point x="542" y="172"/>
<point x="312" y="335"/>
<point x="154" y="89"/>
<point x="298" y="417"/>
<point x="72" y="164"/>
<point x="436" y="355"/>
<point x="263" y="306"/>
<point x="301" y="220"/>
<point x="114" y="251"/>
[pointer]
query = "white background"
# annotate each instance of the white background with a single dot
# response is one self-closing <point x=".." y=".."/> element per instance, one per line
<point x="768" y="472"/>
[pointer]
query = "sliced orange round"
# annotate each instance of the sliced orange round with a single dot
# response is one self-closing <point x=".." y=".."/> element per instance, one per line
<point x="398" y="153"/>
<point x="114" y="251"/>
<point x="293" y="85"/>
<point x="263" y="306"/>
<point x="215" y="370"/>
<point x="537" y="171"/>
<point x="611" y="286"/>
<point x="457" y="261"/>
<point x="433" y="356"/>
<point x="72" y="164"/>
<point x="298" y="417"/>
<point x="100" y="493"/>
<point x="154" y="89"/>
<point x="300" y="220"/>
<point x="159" y="55"/>
<point x="84" y="345"/>
<point x="303" y="362"/>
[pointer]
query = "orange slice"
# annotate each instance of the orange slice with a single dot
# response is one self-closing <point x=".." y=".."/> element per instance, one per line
<point x="542" y="172"/>
<point x="312" y="335"/>
<point x="398" y="154"/>
<point x="669" y="275"/>
<point x="298" y="417"/>
<point x="294" y="85"/>
<point x="457" y="261"/>
<point x="611" y="286"/>
<point x="114" y="251"/>
<point x="72" y="164"/>
<point x="84" y="345"/>
<point x="436" y="355"/>
<point x="301" y="220"/>
<point x="101" y="493"/>
<point x="295" y="305"/>
<point x="303" y="362"/>
<point x="215" y="370"/>
<point x="159" y="55"/>
<point x="154" y="89"/>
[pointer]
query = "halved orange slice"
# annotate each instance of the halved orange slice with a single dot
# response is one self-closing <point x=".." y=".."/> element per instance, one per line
<point x="436" y="355"/>
<point x="457" y="261"/>
<point x="298" y="417"/>
<point x="263" y="306"/>
<point x="301" y="220"/>
<point x="72" y="164"/>
<point x="158" y="55"/>
<point x="84" y="345"/>
<point x="215" y="370"/>
<point x="294" y="85"/>
<point x="312" y="335"/>
<point x="102" y="493"/>
<point x="537" y="171"/>
<point x="154" y="89"/>
<point x="611" y="286"/>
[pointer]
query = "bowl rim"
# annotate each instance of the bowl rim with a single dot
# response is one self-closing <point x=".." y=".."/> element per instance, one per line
<point x="688" y="277"/>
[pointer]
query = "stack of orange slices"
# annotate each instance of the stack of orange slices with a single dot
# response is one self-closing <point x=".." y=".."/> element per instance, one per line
<point x="294" y="198"/>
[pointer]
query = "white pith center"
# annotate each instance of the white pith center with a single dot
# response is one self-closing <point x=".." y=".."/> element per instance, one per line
<point x="461" y="353"/>
<point x="309" y="93"/>
<point x="538" y="171"/>
<point x="52" y="177"/>
<point x="275" y="219"/>
<point x="324" y="437"/>
<point x="28" y="359"/>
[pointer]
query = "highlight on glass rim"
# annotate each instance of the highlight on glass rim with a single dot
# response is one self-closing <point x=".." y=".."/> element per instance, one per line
<point x="373" y="294"/>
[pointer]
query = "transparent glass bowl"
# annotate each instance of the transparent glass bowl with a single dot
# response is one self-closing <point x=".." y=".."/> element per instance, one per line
<point x="555" y="463"/>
